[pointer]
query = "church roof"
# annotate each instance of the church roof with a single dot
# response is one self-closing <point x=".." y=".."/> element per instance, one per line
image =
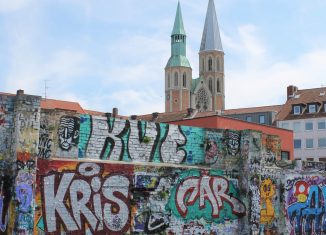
<point x="194" y="83"/>
<point x="211" y="39"/>
<point x="178" y="60"/>
<point x="178" y="23"/>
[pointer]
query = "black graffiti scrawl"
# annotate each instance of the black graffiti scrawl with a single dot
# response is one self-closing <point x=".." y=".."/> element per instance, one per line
<point x="68" y="132"/>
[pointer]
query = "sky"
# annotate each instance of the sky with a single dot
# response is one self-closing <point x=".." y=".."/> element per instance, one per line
<point x="106" y="53"/>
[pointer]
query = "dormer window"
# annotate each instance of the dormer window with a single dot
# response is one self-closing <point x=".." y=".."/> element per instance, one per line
<point x="296" y="109"/>
<point x="312" y="108"/>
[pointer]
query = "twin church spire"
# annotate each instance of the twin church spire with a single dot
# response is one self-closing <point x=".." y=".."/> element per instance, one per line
<point x="205" y="93"/>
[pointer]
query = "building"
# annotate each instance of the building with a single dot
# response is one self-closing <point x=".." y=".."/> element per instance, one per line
<point x="263" y="115"/>
<point x="305" y="113"/>
<point x="207" y="92"/>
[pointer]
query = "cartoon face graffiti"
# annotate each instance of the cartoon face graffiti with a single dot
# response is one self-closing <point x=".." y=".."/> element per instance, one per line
<point x="267" y="189"/>
<point x="68" y="132"/>
<point x="211" y="152"/>
<point x="232" y="142"/>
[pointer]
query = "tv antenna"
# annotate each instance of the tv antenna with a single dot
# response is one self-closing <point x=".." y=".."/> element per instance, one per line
<point x="45" y="88"/>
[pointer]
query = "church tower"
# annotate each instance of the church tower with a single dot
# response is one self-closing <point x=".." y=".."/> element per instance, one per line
<point x="178" y="72"/>
<point x="211" y="61"/>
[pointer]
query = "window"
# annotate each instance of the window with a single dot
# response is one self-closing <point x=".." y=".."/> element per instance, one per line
<point x="296" y="126"/>
<point x="296" y="110"/>
<point x="322" y="159"/>
<point x="248" y="118"/>
<point x="297" y="143"/>
<point x="210" y="64"/>
<point x="325" y="107"/>
<point x="218" y="88"/>
<point x="184" y="80"/>
<point x="309" y="126"/>
<point x="322" y="143"/>
<point x="309" y="143"/>
<point x="321" y="125"/>
<point x="210" y="84"/>
<point x="311" y="159"/>
<point x="217" y="64"/>
<point x="176" y="83"/>
<point x="169" y="81"/>
<point x="285" y="125"/>
<point x="285" y="155"/>
<point x="261" y="119"/>
<point x="312" y="108"/>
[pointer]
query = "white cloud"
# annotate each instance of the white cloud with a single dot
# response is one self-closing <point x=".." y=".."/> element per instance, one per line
<point x="13" y="5"/>
<point x="263" y="81"/>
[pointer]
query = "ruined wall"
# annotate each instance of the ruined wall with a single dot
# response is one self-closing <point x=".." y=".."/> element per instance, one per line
<point x="67" y="173"/>
<point x="22" y="121"/>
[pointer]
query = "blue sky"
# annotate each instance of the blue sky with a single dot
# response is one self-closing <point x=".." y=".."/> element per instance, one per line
<point x="105" y="53"/>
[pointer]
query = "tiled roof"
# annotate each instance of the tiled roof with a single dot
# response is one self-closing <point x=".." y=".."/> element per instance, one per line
<point x="95" y="113"/>
<point x="63" y="105"/>
<point x="304" y="97"/>
<point x="272" y="108"/>
<point x="8" y="94"/>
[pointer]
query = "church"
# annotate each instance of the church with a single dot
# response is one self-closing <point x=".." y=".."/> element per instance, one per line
<point x="183" y="91"/>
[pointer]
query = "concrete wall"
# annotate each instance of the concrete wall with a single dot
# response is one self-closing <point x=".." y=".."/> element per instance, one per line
<point x="79" y="174"/>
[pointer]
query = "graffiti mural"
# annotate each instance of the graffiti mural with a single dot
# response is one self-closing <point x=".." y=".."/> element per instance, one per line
<point x="45" y="141"/>
<point x="212" y="196"/>
<point x="68" y="132"/>
<point x="306" y="198"/>
<point x="131" y="140"/>
<point x="267" y="192"/>
<point x="7" y="179"/>
<point x="117" y="198"/>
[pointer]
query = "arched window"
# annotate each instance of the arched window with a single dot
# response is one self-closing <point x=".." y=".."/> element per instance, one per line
<point x="169" y="81"/>
<point x="218" y="88"/>
<point x="184" y="79"/>
<point x="217" y="64"/>
<point x="210" y="84"/>
<point x="176" y="83"/>
<point x="210" y="64"/>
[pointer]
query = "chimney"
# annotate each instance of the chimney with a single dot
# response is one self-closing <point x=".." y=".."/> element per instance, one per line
<point x="20" y="92"/>
<point x="154" y="116"/>
<point x="190" y="111"/>
<point x="133" y="117"/>
<point x="115" y="112"/>
<point x="291" y="90"/>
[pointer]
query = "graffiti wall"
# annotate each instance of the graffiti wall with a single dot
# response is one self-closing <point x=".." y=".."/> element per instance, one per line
<point x="305" y="198"/>
<point x="105" y="198"/>
<point x="65" y="173"/>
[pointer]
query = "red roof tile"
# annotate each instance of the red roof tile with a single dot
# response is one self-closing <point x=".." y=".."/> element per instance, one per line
<point x="63" y="105"/>
<point x="306" y="96"/>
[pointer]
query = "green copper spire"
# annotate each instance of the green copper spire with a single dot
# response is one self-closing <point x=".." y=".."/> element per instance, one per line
<point x="178" y="43"/>
<point x="178" y="23"/>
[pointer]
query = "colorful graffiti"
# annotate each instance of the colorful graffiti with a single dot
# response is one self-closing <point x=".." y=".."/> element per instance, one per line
<point x="210" y="196"/>
<point x="116" y="198"/>
<point x="267" y="192"/>
<point x="306" y="205"/>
